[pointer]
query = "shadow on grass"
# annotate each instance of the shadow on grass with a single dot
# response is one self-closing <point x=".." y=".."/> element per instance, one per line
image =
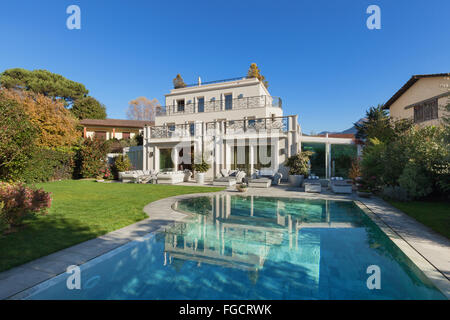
<point x="42" y="236"/>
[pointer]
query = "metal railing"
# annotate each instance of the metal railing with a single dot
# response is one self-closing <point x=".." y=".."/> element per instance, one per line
<point x="229" y="127"/>
<point x="222" y="105"/>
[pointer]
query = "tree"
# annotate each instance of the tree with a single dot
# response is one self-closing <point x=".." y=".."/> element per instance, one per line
<point x="375" y="125"/>
<point x="88" y="108"/>
<point x="44" y="82"/>
<point x="178" y="82"/>
<point x="143" y="109"/>
<point x="56" y="125"/>
<point x="254" y="72"/>
<point x="17" y="137"/>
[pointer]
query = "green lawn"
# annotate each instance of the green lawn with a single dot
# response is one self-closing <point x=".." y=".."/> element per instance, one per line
<point x="82" y="210"/>
<point x="435" y="215"/>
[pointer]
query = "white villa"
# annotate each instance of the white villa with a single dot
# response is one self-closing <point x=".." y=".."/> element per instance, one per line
<point x="232" y="124"/>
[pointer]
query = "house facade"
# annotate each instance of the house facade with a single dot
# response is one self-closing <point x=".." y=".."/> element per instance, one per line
<point x="230" y="124"/>
<point x="113" y="128"/>
<point x="421" y="99"/>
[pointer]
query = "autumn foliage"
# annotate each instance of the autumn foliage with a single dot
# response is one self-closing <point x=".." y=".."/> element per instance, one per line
<point x="56" y="125"/>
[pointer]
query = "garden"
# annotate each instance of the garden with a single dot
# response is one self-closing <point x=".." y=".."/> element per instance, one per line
<point x="407" y="165"/>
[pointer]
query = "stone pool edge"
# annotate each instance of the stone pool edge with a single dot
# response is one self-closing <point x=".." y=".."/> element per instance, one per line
<point x="17" y="281"/>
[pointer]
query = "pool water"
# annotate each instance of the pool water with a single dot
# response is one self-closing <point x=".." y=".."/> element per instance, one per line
<point x="238" y="247"/>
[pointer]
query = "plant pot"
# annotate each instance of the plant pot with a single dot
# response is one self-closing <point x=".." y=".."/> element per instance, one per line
<point x="364" y="194"/>
<point x="200" y="177"/>
<point x="296" y="180"/>
<point x="241" y="188"/>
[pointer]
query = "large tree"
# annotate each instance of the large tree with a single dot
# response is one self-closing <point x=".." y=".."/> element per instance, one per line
<point x="375" y="125"/>
<point x="254" y="72"/>
<point x="178" y="82"/>
<point x="44" y="82"/>
<point x="56" y="125"/>
<point x="88" y="108"/>
<point x="17" y="137"/>
<point x="143" y="109"/>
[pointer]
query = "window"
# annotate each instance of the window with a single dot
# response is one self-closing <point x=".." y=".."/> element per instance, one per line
<point x="228" y="102"/>
<point x="201" y="105"/>
<point x="100" y="135"/>
<point x="180" y="105"/>
<point x="171" y="129"/>
<point x="426" y="111"/>
<point x="125" y="135"/>
<point x="165" y="159"/>
<point x="192" y="129"/>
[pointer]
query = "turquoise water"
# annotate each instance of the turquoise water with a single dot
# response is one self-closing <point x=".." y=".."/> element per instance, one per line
<point x="234" y="247"/>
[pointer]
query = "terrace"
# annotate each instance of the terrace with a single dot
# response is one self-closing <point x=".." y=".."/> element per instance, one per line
<point x="269" y="125"/>
<point x="214" y="105"/>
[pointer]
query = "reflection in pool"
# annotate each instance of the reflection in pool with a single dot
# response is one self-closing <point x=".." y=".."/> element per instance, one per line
<point x="235" y="247"/>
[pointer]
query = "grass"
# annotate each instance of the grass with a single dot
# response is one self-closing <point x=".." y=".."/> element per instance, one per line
<point x="435" y="215"/>
<point x="82" y="210"/>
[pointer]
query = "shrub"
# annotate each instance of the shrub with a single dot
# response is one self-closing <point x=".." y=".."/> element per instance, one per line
<point x="48" y="165"/>
<point x="396" y="193"/>
<point x="355" y="170"/>
<point x="17" y="137"/>
<point x="201" y="167"/>
<point x="415" y="181"/>
<point x="121" y="163"/>
<point x="90" y="158"/>
<point x="298" y="164"/>
<point x="19" y="202"/>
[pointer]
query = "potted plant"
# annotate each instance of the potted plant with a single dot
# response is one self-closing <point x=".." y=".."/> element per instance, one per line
<point x="365" y="186"/>
<point x="298" y="167"/>
<point x="242" y="187"/>
<point x="200" y="170"/>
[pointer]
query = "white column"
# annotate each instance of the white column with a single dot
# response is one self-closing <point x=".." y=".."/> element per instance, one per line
<point x="251" y="157"/>
<point x="156" y="157"/>
<point x="328" y="160"/>
<point x="175" y="157"/>
<point x="276" y="154"/>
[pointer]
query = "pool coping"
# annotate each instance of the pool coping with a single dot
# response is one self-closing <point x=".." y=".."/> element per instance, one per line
<point x="422" y="251"/>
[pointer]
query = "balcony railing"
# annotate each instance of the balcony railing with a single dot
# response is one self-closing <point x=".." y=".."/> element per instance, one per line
<point x="222" y="105"/>
<point x="269" y="125"/>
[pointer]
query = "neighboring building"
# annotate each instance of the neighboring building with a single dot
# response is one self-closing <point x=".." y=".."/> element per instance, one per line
<point x="113" y="128"/>
<point x="421" y="99"/>
<point x="235" y="124"/>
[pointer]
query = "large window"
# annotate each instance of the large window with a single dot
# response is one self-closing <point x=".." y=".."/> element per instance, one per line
<point x="317" y="160"/>
<point x="228" y="102"/>
<point x="100" y="135"/>
<point x="180" y="105"/>
<point x="341" y="159"/>
<point x="263" y="157"/>
<point x="241" y="158"/>
<point x="165" y="159"/>
<point x="426" y="111"/>
<point x="201" y="105"/>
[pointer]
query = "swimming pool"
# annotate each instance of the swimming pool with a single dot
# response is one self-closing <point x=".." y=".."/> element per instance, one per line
<point x="249" y="247"/>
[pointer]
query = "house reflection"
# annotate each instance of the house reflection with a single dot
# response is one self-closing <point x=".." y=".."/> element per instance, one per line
<point x="238" y="232"/>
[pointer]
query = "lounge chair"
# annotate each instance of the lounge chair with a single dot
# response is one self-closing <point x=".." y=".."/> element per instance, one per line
<point x="260" y="182"/>
<point x="134" y="176"/>
<point x="340" y="185"/>
<point x="275" y="177"/>
<point x="170" y="177"/>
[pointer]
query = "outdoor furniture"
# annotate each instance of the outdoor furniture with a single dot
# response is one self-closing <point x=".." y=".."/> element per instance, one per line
<point x="259" y="182"/>
<point x="341" y="187"/>
<point x="313" y="187"/>
<point x="134" y="176"/>
<point x="224" y="182"/>
<point x="170" y="177"/>
<point x="275" y="177"/>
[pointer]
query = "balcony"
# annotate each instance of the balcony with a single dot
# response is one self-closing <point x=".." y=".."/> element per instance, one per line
<point x="221" y="105"/>
<point x="271" y="125"/>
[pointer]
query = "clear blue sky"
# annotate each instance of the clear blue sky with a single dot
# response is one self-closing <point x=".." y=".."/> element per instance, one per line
<point x="317" y="55"/>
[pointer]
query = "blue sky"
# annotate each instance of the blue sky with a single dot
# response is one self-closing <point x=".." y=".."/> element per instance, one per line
<point x="317" y="55"/>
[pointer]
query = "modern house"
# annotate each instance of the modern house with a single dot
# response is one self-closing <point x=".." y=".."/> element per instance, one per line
<point x="231" y="124"/>
<point x="113" y="128"/>
<point x="421" y="99"/>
